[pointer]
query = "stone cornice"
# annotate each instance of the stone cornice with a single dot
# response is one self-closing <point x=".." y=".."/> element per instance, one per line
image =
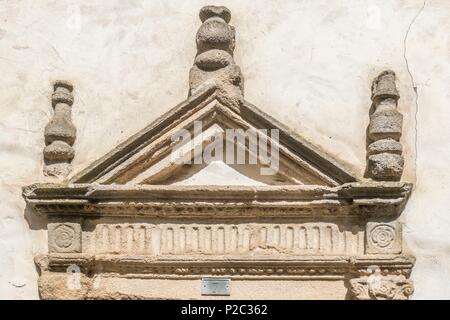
<point x="353" y="199"/>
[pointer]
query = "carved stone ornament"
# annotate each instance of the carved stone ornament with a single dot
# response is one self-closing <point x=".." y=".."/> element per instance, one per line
<point x="384" y="237"/>
<point x="379" y="287"/>
<point x="384" y="153"/>
<point x="135" y="224"/>
<point x="60" y="133"/>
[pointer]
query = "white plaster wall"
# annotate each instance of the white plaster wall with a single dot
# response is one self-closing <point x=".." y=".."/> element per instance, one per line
<point x="308" y="63"/>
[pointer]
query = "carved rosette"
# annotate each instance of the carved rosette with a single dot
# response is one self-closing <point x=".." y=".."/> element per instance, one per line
<point x="381" y="287"/>
<point x="214" y="61"/>
<point x="333" y="227"/>
<point x="64" y="237"/>
<point x="384" y="153"/>
<point x="60" y="133"/>
<point x="383" y="237"/>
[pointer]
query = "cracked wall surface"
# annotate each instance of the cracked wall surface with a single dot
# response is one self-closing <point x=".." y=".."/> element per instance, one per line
<point x="308" y="64"/>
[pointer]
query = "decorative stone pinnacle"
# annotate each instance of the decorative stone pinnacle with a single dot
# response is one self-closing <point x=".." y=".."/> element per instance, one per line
<point x="60" y="132"/>
<point x="381" y="287"/>
<point x="62" y="84"/>
<point x="384" y="87"/>
<point x="62" y="93"/>
<point x="215" y="11"/>
<point x="384" y="153"/>
<point x="214" y="60"/>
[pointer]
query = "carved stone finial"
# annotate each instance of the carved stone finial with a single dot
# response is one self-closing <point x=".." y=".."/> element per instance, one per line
<point x="214" y="60"/>
<point x="60" y="132"/>
<point x="381" y="287"/>
<point x="384" y="153"/>
<point x="215" y="11"/>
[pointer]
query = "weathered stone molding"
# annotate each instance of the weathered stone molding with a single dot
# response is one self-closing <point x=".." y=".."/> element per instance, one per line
<point x="60" y="133"/>
<point x="362" y="200"/>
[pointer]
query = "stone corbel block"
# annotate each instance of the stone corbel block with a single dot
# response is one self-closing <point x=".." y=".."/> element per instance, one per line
<point x="64" y="236"/>
<point x="383" y="237"/>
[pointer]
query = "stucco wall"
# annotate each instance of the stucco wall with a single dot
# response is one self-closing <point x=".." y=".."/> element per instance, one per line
<point x="307" y="63"/>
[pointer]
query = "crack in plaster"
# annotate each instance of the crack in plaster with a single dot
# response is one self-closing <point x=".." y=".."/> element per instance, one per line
<point x="413" y="82"/>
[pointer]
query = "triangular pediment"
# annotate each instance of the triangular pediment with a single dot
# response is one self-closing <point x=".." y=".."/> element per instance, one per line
<point x="152" y="156"/>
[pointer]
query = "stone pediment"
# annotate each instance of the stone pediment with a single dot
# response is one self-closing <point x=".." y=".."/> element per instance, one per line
<point x="138" y="222"/>
<point x="147" y="157"/>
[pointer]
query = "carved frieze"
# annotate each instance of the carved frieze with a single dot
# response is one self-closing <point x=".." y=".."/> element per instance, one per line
<point x="364" y="200"/>
<point x="229" y="237"/>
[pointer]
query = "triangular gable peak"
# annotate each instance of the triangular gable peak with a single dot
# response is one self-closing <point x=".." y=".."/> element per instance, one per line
<point x="138" y="159"/>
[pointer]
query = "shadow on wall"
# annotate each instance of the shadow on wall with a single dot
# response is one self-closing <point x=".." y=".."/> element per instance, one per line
<point x="34" y="220"/>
